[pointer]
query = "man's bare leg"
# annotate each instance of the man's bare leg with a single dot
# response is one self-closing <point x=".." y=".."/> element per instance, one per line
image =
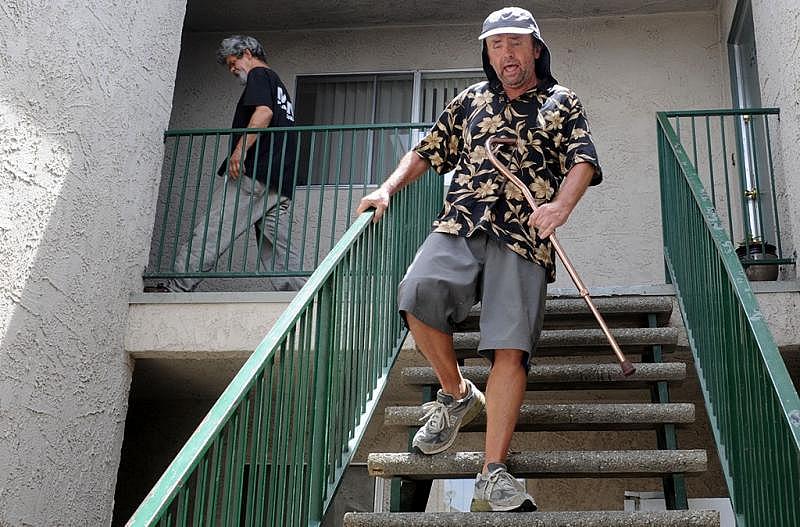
<point x="505" y="391"/>
<point x="437" y="347"/>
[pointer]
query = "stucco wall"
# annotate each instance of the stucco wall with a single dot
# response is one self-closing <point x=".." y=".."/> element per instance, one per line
<point x="779" y="88"/>
<point x="85" y="91"/>
<point x="623" y="68"/>
<point x="777" y="48"/>
<point x="726" y="12"/>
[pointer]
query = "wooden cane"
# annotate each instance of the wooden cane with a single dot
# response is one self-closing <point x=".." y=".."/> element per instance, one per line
<point x="625" y="364"/>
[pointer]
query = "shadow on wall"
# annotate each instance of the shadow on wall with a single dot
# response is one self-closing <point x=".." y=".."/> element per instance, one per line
<point x="155" y="432"/>
<point x="75" y="221"/>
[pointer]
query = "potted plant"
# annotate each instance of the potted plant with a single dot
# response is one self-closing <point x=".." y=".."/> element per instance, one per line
<point x="749" y="252"/>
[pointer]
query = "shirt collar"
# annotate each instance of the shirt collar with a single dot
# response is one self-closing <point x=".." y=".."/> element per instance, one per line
<point x="529" y="95"/>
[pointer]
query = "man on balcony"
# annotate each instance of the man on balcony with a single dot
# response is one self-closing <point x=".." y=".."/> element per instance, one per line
<point x="487" y="245"/>
<point x="258" y="177"/>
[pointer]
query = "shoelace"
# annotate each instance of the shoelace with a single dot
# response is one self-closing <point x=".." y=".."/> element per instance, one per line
<point x="496" y="477"/>
<point x="438" y="414"/>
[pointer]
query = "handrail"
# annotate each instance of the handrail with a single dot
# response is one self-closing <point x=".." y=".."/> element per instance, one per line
<point x="300" y="128"/>
<point x="273" y="448"/>
<point x="721" y="112"/>
<point x="205" y="223"/>
<point x="731" y="152"/>
<point x="752" y="404"/>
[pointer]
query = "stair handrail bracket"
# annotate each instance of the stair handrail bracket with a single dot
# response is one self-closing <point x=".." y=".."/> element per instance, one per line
<point x="752" y="404"/>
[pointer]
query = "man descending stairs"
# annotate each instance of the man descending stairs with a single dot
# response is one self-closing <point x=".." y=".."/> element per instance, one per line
<point x="572" y="362"/>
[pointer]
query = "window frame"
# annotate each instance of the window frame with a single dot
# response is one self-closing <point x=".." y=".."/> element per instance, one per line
<point x="416" y="94"/>
<point x="416" y="87"/>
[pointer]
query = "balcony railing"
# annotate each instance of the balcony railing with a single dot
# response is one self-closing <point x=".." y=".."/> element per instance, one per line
<point x="731" y="151"/>
<point x="331" y="168"/>
<point x="752" y="405"/>
<point x="272" y="450"/>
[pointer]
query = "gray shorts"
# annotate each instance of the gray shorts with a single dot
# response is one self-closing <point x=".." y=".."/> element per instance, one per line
<point x="450" y="274"/>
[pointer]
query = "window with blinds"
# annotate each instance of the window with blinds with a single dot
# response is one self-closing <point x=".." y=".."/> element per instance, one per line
<point x="438" y="89"/>
<point x="354" y="99"/>
<point x="367" y="156"/>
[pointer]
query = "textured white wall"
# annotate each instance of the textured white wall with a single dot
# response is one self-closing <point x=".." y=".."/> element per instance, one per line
<point x="222" y="329"/>
<point x="780" y="81"/>
<point x="85" y="91"/>
<point x="726" y="12"/>
<point x="624" y="69"/>
<point x="777" y="47"/>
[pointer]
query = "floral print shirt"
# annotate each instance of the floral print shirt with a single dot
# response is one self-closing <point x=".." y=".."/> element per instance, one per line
<point x="553" y="136"/>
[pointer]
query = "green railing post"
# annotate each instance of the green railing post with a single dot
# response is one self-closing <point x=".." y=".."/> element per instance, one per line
<point x="331" y="162"/>
<point x="751" y="129"/>
<point x="752" y="404"/>
<point x="666" y="436"/>
<point x="273" y="448"/>
<point x="319" y="437"/>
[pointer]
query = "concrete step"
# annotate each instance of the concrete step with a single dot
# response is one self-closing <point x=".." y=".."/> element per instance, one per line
<point x="535" y="519"/>
<point x="552" y="417"/>
<point x="545" y="464"/>
<point x="558" y="342"/>
<point x="617" y="311"/>
<point x="565" y="376"/>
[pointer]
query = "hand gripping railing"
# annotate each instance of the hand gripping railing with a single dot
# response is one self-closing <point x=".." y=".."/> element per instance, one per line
<point x="625" y="364"/>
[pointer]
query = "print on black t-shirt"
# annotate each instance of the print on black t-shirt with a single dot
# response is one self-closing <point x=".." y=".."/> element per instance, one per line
<point x="265" y="88"/>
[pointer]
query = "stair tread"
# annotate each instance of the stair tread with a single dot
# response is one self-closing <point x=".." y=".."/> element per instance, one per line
<point x="586" y="341"/>
<point x="565" y="416"/>
<point x="604" y="304"/>
<point x="612" y="304"/>
<point x="585" y="337"/>
<point x="605" y="375"/>
<point x="615" y="306"/>
<point x="587" y="463"/>
<point x="690" y="518"/>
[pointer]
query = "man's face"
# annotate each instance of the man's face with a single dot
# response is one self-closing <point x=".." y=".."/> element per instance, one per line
<point x="512" y="57"/>
<point x="239" y="66"/>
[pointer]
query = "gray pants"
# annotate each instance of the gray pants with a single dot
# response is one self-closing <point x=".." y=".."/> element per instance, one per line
<point x="235" y="206"/>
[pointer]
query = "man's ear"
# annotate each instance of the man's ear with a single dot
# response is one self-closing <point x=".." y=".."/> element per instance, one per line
<point x="246" y="53"/>
<point x="537" y="48"/>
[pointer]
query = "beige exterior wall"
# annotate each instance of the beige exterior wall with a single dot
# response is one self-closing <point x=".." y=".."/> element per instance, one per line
<point x="777" y="29"/>
<point x="779" y="80"/>
<point x="85" y="91"/>
<point x="194" y="325"/>
<point x="623" y="68"/>
<point x="776" y="46"/>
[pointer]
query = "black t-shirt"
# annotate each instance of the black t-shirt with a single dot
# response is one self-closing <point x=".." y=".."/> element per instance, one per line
<point x="265" y="88"/>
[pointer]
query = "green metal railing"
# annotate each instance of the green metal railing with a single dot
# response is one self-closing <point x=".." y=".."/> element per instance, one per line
<point x="329" y="168"/>
<point x="731" y="151"/>
<point x="273" y="448"/>
<point x="753" y="407"/>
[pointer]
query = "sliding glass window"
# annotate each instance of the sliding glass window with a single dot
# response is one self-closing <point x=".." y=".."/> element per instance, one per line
<point x="368" y="99"/>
